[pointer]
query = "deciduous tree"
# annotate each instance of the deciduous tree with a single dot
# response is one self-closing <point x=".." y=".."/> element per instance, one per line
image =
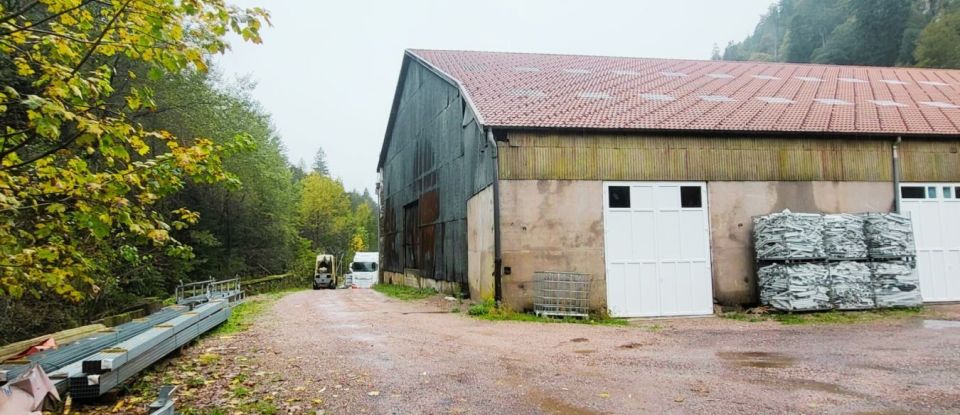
<point x="79" y="176"/>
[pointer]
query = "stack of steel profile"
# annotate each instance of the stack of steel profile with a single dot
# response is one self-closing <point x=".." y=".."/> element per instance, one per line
<point x="795" y="287"/>
<point x="851" y="286"/>
<point x="788" y="236"/>
<point x="114" y="355"/>
<point x="843" y="237"/>
<point x="107" y="369"/>
<point x="55" y="361"/>
<point x="895" y="284"/>
<point x="889" y="235"/>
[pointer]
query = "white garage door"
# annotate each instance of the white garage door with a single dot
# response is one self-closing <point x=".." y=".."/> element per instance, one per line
<point x="935" y="209"/>
<point x="657" y="248"/>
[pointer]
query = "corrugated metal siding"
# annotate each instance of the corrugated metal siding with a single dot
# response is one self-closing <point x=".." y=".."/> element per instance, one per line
<point x="620" y="157"/>
<point x="435" y="158"/>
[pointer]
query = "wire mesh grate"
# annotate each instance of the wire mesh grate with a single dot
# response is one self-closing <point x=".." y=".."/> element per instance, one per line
<point x="561" y="294"/>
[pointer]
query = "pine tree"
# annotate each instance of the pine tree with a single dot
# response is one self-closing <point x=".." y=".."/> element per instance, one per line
<point x="320" y="163"/>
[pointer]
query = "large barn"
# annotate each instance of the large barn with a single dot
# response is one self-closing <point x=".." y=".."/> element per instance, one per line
<point x="646" y="173"/>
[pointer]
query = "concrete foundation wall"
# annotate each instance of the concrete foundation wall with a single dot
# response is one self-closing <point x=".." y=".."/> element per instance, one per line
<point x="551" y="225"/>
<point x="411" y="278"/>
<point x="734" y="204"/>
<point x="480" y="245"/>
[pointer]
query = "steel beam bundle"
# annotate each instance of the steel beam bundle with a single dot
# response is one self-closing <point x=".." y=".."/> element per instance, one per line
<point x="53" y="361"/>
<point x="116" y="356"/>
<point x="111" y="367"/>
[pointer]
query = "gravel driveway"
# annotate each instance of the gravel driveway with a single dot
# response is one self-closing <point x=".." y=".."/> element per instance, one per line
<point x="361" y="352"/>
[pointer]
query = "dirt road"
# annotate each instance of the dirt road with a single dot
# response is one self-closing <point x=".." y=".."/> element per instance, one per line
<point x="359" y="351"/>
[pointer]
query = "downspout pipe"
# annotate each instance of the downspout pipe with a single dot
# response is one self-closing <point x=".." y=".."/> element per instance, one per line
<point x="896" y="174"/>
<point x="497" y="257"/>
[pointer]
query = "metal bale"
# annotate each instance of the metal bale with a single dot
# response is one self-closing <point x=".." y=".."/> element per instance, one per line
<point x="843" y="236"/>
<point x="851" y="286"/>
<point x="895" y="284"/>
<point x="788" y="235"/>
<point x="795" y="287"/>
<point x="889" y="235"/>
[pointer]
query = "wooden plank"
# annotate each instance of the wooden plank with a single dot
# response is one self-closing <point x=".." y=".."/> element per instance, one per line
<point x="61" y="337"/>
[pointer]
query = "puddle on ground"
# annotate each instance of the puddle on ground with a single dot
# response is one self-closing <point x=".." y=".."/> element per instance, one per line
<point x="586" y="351"/>
<point x="579" y="340"/>
<point x="631" y="345"/>
<point x="552" y="405"/>
<point x="763" y="360"/>
<point x="809" y="385"/>
<point x="816" y="386"/>
<point x="941" y="324"/>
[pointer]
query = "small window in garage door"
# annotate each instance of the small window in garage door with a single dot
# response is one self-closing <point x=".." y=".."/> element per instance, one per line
<point x="913" y="192"/>
<point x="691" y="197"/>
<point x="619" y="197"/>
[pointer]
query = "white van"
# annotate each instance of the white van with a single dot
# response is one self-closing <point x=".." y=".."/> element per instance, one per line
<point x="363" y="270"/>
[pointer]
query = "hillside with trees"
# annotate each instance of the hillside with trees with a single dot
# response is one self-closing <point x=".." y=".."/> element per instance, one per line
<point x="127" y="165"/>
<point x="922" y="33"/>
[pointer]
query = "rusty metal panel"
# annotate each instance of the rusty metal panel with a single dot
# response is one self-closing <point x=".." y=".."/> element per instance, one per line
<point x="436" y="159"/>
<point x="649" y="157"/>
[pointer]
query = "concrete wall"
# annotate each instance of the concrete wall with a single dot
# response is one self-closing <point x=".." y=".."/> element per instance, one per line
<point x="557" y="225"/>
<point x="551" y="225"/>
<point x="480" y="245"/>
<point x="733" y="205"/>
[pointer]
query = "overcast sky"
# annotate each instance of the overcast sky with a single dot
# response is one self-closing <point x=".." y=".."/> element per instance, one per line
<point x="327" y="70"/>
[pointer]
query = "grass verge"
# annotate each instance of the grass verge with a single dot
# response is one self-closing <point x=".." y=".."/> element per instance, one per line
<point x="487" y="310"/>
<point x="403" y="292"/>
<point x="828" y="317"/>
<point x="244" y="313"/>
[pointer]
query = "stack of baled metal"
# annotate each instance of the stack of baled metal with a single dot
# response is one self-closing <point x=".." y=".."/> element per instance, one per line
<point x="795" y="287"/>
<point x="889" y="235"/>
<point x="895" y="284"/>
<point x="851" y="286"/>
<point x="809" y="262"/>
<point x="787" y="235"/>
<point x="843" y="236"/>
<point x="892" y="249"/>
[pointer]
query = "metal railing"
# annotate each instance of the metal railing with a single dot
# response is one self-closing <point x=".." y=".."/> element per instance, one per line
<point x="203" y="291"/>
<point x="192" y="290"/>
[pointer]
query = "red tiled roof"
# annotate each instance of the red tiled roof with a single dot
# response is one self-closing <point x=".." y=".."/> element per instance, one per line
<point x="586" y="92"/>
